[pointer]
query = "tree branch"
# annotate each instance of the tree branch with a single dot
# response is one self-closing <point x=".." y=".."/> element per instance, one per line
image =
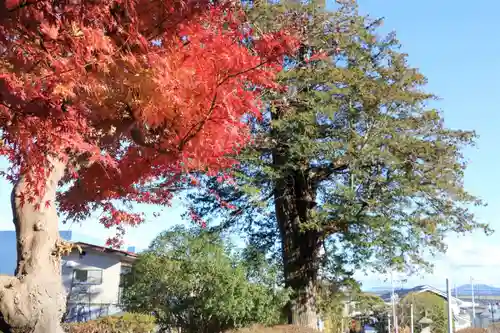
<point x="322" y="173"/>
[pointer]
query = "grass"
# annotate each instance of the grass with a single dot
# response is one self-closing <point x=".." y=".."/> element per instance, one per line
<point x="472" y="330"/>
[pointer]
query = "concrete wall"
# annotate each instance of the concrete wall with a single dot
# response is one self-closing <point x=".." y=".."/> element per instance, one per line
<point x="484" y="318"/>
<point x="89" y="301"/>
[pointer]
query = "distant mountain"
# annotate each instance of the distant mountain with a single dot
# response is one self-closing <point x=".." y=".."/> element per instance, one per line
<point x="464" y="290"/>
<point x="479" y="290"/>
<point x="379" y="290"/>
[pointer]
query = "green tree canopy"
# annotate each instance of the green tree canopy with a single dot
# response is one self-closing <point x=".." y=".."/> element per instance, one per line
<point x="191" y="279"/>
<point x="351" y="168"/>
<point x="368" y="304"/>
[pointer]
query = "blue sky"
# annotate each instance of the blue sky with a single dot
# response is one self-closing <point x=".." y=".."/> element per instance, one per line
<point x="455" y="46"/>
<point x="452" y="42"/>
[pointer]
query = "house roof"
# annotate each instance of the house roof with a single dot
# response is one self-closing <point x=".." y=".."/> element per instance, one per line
<point x="126" y="254"/>
<point x="418" y="289"/>
<point x="424" y="288"/>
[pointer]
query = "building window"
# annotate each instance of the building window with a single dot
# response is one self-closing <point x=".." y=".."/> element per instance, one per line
<point x="82" y="254"/>
<point x="87" y="276"/>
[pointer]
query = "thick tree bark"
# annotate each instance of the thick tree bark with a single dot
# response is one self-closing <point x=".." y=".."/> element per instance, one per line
<point x="294" y="198"/>
<point x="300" y="262"/>
<point x="34" y="299"/>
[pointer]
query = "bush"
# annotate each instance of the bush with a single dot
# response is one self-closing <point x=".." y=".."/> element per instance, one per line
<point x="192" y="280"/>
<point x="126" y="323"/>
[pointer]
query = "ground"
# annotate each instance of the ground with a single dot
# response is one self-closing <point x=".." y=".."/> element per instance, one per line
<point x="276" y="329"/>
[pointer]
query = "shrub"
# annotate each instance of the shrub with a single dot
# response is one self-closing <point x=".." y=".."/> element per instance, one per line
<point x="126" y="323"/>
<point x="192" y="280"/>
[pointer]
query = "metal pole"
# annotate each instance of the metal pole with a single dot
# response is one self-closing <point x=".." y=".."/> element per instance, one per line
<point x="411" y="318"/>
<point x="473" y="302"/>
<point x="388" y="323"/>
<point x="450" y="313"/>
<point x="394" y="315"/>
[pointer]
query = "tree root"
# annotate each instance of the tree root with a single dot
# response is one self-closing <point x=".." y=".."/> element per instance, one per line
<point x="25" y="305"/>
<point x="15" y="290"/>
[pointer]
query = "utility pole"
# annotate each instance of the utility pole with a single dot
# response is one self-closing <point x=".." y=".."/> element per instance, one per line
<point x="473" y="302"/>
<point x="450" y="312"/>
<point x="394" y="315"/>
<point x="411" y="318"/>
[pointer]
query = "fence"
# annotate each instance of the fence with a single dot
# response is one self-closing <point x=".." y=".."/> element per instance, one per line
<point x="80" y="312"/>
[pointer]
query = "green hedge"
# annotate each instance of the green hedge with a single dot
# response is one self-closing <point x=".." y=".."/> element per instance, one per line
<point x="126" y="323"/>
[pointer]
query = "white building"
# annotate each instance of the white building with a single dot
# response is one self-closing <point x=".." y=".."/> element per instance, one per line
<point x="93" y="281"/>
<point x="459" y="307"/>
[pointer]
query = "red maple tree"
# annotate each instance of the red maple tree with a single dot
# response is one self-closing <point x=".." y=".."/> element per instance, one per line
<point x="115" y="101"/>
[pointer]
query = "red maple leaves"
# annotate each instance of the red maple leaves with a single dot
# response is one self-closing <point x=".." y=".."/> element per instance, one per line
<point x="131" y="94"/>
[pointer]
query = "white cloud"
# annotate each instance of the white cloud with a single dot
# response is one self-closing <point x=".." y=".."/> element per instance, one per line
<point x="468" y="256"/>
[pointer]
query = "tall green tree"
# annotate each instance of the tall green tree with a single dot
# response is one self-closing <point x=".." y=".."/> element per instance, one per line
<point x="192" y="280"/>
<point x="350" y="168"/>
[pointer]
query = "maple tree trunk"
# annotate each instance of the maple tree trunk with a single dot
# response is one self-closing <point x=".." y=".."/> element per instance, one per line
<point x="34" y="299"/>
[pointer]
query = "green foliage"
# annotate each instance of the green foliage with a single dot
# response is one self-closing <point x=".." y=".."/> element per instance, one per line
<point x="368" y="304"/>
<point x="192" y="280"/>
<point x="425" y="304"/>
<point x="330" y="305"/>
<point x="356" y="144"/>
<point x="126" y="323"/>
<point x="333" y="297"/>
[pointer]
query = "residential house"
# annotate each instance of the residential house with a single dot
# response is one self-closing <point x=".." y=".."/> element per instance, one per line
<point x="459" y="307"/>
<point x="483" y="315"/>
<point x="93" y="280"/>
